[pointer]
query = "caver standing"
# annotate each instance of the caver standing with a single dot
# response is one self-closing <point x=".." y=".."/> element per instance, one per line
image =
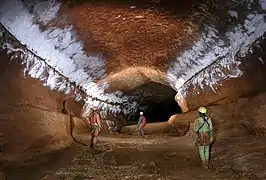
<point x="204" y="135"/>
<point x="141" y="124"/>
<point x="95" y="126"/>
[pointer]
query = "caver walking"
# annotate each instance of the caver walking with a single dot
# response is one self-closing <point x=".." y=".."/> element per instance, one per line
<point x="95" y="126"/>
<point x="204" y="135"/>
<point x="141" y="124"/>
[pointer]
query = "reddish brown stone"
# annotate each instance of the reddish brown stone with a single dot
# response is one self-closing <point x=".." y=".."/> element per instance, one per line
<point x="251" y="82"/>
<point x="31" y="118"/>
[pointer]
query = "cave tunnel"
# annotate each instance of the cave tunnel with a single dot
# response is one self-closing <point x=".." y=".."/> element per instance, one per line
<point x="58" y="60"/>
<point x="157" y="101"/>
<point x="161" y="110"/>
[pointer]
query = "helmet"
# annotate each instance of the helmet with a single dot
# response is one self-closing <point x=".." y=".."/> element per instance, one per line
<point x="141" y="113"/>
<point x="202" y="110"/>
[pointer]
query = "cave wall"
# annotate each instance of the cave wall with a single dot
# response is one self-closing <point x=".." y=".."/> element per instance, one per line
<point x="31" y="118"/>
<point x="174" y="129"/>
<point x="213" y="34"/>
<point x="252" y="80"/>
<point x="240" y="117"/>
<point x="236" y="104"/>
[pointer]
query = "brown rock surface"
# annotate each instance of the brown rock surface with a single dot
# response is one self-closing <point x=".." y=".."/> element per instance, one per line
<point x="31" y="122"/>
<point x="243" y="116"/>
<point x="156" y="157"/>
<point x="251" y="82"/>
<point x="31" y="118"/>
<point x="177" y="129"/>
<point x="131" y="36"/>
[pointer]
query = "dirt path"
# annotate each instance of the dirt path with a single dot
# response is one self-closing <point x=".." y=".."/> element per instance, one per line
<point x="125" y="157"/>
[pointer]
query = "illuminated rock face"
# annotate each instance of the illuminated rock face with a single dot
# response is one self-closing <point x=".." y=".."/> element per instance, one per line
<point x="64" y="39"/>
<point x="31" y="120"/>
<point x="207" y="66"/>
<point x="252" y="81"/>
<point x="61" y="50"/>
<point x="240" y="117"/>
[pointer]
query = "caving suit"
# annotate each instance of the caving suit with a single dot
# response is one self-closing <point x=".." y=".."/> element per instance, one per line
<point x="204" y="138"/>
<point x="141" y="124"/>
<point x="93" y="121"/>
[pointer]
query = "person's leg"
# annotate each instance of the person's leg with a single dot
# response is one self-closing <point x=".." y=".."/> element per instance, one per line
<point x="142" y="131"/>
<point x="94" y="133"/>
<point x="95" y="137"/>
<point x="92" y="139"/>
<point x="201" y="153"/>
<point x="91" y="132"/>
<point x="138" y="129"/>
<point x="207" y="154"/>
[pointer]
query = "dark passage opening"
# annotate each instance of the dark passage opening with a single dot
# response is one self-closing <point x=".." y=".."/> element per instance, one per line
<point x="156" y="101"/>
<point x="161" y="110"/>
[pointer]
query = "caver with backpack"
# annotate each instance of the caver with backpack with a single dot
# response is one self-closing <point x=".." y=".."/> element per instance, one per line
<point x="95" y="126"/>
<point x="141" y="124"/>
<point x="204" y="135"/>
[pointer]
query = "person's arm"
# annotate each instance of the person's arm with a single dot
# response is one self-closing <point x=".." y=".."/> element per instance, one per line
<point x="196" y="125"/>
<point x="140" y="120"/>
<point x="195" y="129"/>
<point x="211" y="129"/>
<point x="98" y="119"/>
<point x="210" y="124"/>
<point x="88" y="119"/>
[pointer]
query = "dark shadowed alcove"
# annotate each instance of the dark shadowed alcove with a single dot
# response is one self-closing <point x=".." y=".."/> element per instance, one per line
<point x="156" y="101"/>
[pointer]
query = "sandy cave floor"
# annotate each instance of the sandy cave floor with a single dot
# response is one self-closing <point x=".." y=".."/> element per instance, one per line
<point x="155" y="157"/>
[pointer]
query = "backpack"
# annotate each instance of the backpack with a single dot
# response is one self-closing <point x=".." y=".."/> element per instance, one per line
<point x="205" y="120"/>
<point x="203" y="138"/>
<point x="93" y="118"/>
<point x="143" y="120"/>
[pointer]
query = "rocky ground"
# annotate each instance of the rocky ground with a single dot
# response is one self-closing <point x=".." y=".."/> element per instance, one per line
<point x="155" y="157"/>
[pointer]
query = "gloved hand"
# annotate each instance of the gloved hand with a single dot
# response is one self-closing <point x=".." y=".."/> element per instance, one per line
<point x="137" y="128"/>
<point x="100" y="127"/>
<point x="211" y="139"/>
<point x="195" y="139"/>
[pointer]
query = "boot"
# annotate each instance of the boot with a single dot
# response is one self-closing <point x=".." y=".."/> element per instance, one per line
<point x="206" y="165"/>
<point x="92" y="143"/>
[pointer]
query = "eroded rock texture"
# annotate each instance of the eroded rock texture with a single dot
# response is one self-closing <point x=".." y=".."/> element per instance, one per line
<point x="249" y="84"/>
<point x="240" y="117"/>
<point x="108" y="48"/>
<point x="31" y="120"/>
<point x="119" y="57"/>
<point x="178" y="129"/>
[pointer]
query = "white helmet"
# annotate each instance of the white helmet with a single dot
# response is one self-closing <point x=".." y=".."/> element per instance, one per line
<point x="202" y="110"/>
<point x="141" y="113"/>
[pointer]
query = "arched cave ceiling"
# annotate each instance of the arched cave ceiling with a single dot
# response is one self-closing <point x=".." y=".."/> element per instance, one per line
<point x="101" y="51"/>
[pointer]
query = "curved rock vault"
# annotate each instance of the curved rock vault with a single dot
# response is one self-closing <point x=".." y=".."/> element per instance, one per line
<point x="107" y="51"/>
<point x="123" y="57"/>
